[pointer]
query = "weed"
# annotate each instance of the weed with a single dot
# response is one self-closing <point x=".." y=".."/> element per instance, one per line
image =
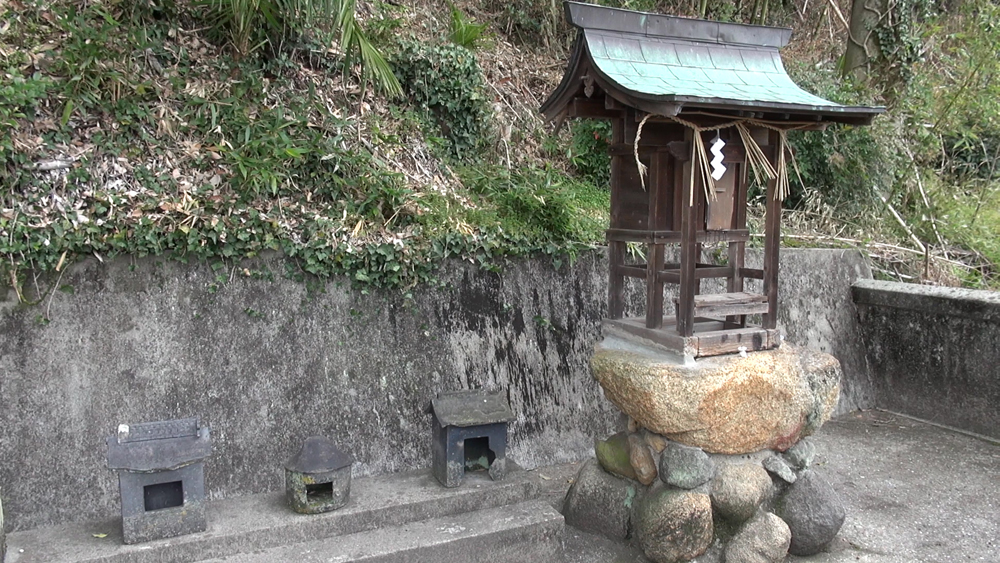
<point x="249" y="25"/>
<point x="464" y="32"/>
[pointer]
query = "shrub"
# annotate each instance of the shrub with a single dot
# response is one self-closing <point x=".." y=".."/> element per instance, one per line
<point x="445" y="81"/>
<point x="588" y="151"/>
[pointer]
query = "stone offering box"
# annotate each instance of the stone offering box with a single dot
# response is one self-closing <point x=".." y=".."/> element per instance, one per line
<point x="161" y="475"/>
<point x="469" y="432"/>
<point x="318" y="477"/>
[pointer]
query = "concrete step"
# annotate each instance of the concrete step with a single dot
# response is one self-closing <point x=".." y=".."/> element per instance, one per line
<point x="259" y="522"/>
<point x="582" y="547"/>
<point x="529" y="531"/>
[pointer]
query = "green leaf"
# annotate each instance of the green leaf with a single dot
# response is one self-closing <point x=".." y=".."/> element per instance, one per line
<point x="66" y="113"/>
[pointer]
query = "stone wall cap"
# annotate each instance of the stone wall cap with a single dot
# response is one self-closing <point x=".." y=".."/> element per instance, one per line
<point x="318" y="455"/>
<point x="158" y="454"/>
<point x="950" y="301"/>
<point x="471" y="408"/>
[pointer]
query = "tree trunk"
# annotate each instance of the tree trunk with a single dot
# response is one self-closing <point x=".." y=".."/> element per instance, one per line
<point x="862" y="44"/>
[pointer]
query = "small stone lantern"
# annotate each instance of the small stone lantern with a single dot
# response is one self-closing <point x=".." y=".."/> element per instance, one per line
<point x="318" y="478"/>
<point x="469" y="432"/>
<point x="161" y="476"/>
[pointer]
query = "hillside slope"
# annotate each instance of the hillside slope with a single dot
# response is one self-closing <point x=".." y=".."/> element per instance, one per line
<point x="154" y="127"/>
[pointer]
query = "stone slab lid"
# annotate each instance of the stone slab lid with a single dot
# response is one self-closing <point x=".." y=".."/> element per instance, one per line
<point x="660" y="63"/>
<point x="318" y="455"/>
<point x="471" y="408"/>
<point x="158" y="446"/>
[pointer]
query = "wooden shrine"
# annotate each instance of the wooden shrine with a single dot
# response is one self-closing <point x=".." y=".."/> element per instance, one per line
<point x="676" y="90"/>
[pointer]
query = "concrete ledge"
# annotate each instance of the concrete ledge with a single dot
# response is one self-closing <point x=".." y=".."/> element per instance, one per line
<point x="933" y="352"/>
<point x="259" y="522"/>
<point x="952" y="301"/>
<point x="529" y="531"/>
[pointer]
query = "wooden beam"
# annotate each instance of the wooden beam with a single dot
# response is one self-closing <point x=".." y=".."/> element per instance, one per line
<point x="715" y="343"/>
<point x="592" y="108"/>
<point x="664" y="337"/>
<point x="713" y="272"/>
<point x="678" y="149"/>
<point x="728" y="304"/>
<point x="668" y="237"/>
<point x="633" y="271"/>
<point x="673" y="275"/>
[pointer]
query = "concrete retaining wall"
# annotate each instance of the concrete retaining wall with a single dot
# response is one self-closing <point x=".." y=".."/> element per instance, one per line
<point x="934" y="351"/>
<point x="266" y="363"/>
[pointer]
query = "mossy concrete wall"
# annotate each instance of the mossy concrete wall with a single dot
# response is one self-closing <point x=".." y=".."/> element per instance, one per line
<point x="267" y="361"/>
<point x="934" y="352"/>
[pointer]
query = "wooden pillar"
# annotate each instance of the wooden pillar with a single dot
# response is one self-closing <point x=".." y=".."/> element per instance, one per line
<point x="772" y="240"/>
<point x="616" y="249"/>
<point x="737" y="250"/>
<point x="654" y="252"/>
<point x="689" y="247"/>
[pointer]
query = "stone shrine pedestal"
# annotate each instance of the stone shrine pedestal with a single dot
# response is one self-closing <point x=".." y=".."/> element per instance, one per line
<point x="715" y="462"/>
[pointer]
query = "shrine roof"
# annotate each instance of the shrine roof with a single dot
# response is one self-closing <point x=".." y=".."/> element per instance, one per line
<point x="661" y="63"/>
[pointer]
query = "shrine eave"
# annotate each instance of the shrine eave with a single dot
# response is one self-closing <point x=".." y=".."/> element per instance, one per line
<point x="664" y="64"/>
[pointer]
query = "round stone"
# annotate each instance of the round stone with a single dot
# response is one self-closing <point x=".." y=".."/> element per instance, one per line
<point x="763" y="539"/>
<point x="655" y="441"/>
<point x="673" y="526"/>
<point x="685" y="467"/>
<point x="813" y="511"/>
<point x="801" y="455"/>
<point x="613" y="455"/>
<point x="778" y="467"/>
<point x="599" y="502"/>
<point x="738" y="489"/>
<point x="641" y="459"/>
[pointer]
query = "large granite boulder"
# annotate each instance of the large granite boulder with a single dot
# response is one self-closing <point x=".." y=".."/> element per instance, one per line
<point x="599" y="502"/>
<point x="725" y="404"/>
<point x="813" y="511"/>
<point x="673" y="525"/>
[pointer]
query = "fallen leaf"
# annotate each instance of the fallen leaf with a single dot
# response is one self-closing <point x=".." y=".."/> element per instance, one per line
<point x="99" y="535"/>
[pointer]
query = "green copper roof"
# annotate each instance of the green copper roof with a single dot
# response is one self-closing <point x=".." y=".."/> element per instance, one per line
<point x="650" y="58"/>
<point x="684" y="69"/>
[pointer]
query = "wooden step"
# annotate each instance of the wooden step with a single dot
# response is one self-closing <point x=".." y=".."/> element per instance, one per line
<point x="714" y="305"/>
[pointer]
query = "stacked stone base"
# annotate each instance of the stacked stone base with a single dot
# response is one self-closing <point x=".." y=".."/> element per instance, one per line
<point x="753" y="508"/>
<point x="716" y="463"/>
